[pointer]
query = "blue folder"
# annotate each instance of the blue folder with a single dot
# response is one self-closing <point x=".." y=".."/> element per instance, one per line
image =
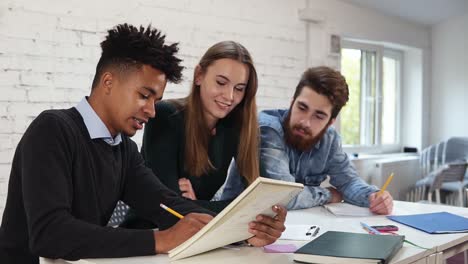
<point x="434" y="223"/>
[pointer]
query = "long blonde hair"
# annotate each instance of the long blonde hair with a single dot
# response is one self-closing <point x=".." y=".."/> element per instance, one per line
<point x="244" y="115"/>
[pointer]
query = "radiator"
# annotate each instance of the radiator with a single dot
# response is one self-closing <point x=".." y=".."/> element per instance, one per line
<point x="406" y="173"/>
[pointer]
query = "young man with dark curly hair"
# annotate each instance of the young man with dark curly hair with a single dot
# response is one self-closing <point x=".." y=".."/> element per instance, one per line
<point x="73" y="165"/>
<point x="300" y="144"/>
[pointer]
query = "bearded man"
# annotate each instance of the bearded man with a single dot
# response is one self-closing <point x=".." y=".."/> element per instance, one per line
<point x="300" y="144"/>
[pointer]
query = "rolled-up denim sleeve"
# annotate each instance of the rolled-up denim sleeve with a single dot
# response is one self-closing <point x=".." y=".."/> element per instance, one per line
<point x="344" y="177"/>
<point x="274" y="164"/>
<point x="234" y="185"/>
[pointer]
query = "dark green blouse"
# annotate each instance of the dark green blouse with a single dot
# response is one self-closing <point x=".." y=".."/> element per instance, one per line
<point x="164" y="152"/>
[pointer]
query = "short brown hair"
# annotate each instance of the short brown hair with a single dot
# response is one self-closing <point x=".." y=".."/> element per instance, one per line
<point x="327" y="82"/>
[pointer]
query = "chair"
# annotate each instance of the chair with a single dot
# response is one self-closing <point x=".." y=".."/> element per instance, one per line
<point x="456" y="150"/>
<point x="119" y="214"/>
<point x="443" y="167"/>
<point x="416" y="193"/>
<point x="453" y="173"/>
<point x="427" y="161"/>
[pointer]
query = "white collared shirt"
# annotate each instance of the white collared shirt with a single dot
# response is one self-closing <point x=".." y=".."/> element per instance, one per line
<point x="96" y="128"/>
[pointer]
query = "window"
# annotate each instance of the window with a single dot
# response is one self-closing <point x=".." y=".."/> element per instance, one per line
<point x="390" y="94"/>
<point x="373" y="74"/>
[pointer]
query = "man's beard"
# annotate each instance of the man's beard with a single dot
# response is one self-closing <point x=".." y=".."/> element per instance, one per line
<point x="300" y="143"/>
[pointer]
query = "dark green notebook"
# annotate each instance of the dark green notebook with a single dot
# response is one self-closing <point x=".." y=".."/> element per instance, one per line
<point x="344" y="247"/>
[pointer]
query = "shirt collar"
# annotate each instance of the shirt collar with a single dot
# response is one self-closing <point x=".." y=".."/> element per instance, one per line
<point x="283" y="117"/>
<point x="96" y="128"/>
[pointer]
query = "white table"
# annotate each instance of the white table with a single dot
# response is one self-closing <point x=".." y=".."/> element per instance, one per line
<point x="440" y="246"/>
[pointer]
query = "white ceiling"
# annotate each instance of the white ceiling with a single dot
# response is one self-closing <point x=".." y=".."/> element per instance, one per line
<point x="425" y="12"/>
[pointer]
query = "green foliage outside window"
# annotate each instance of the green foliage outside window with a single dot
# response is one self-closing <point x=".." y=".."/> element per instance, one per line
<point x="350" y="113"/>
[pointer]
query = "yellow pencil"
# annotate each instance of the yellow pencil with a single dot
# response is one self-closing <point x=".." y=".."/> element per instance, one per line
<point x="385" y="184"/>
<point x="171" y="211"/>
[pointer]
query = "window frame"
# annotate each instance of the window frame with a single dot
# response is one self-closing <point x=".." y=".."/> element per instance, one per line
<point x="397" y="56"/>
<point x="378" y="147"/>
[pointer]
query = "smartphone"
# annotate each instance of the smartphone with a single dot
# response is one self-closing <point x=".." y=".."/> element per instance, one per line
<point x="386" y="228"/>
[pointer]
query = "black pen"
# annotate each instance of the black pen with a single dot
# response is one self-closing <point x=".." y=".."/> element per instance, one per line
<point x="309" y="232"/>
<point x="316" y="231"/>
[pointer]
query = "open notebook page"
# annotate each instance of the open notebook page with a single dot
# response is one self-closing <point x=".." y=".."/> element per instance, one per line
<point x="346" y="209"/>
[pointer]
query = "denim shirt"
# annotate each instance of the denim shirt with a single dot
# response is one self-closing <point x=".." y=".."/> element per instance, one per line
<point x="282" y="162"/>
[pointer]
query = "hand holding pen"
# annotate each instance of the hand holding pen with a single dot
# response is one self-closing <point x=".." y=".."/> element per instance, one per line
<point x="381" y="202"/>
<point x="186" y="227"/>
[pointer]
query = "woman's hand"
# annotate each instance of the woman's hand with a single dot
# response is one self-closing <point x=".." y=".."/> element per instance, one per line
<point x="185" y="187"/>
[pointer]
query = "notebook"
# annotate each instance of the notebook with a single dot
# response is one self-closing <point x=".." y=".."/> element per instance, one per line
<point x="344" y="247"/>
<point x="231" y="224"/>
<point x="434" y="223"/>
<point x="346" y="209"/>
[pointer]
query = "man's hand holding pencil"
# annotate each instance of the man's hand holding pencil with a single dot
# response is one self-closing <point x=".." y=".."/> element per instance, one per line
<point x="381" y="202"/>
<point x="185" y="228"/>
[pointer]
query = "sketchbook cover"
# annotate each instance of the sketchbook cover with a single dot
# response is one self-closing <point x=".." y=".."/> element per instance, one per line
<point x="231" y="224"/>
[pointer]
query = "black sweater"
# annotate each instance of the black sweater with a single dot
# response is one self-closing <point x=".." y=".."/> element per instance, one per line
<point x="63" y="189"/>
<point x="164" y="152"/>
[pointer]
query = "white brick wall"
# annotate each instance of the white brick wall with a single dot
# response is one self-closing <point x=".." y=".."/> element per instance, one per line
<point x="49" y="49"/>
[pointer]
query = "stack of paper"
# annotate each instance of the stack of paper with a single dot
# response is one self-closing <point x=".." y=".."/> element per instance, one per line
<point x="346" y="209"/>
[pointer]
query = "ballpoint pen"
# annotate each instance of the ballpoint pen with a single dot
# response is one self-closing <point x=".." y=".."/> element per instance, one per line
<point x="369" y="229"/>
<point x="309" y="232"/>
<point x="316" y="231"/>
